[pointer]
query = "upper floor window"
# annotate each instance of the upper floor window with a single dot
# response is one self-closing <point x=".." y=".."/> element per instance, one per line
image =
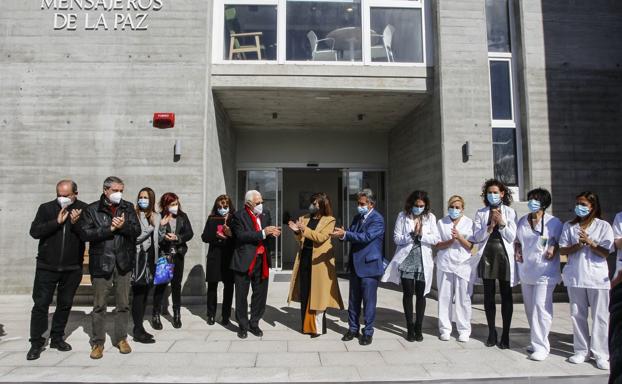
<point x="498" y="26"/>
<point x="328" y="31"/>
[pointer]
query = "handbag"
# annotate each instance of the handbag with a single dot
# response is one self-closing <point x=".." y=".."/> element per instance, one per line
<point x="164" y="269"/>
<point x="141" y="274"/>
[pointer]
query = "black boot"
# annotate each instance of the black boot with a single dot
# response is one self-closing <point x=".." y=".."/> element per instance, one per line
<point x="410" y="336"/>
<point x="156" y="323"/>
<point x="176" y="318"/>
<point x="504" y="343"/>
<point x="492" y="338"/>
<point x="417" y="330"/>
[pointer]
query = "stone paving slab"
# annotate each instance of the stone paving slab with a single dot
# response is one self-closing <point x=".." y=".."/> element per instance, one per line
<point x="201" y="353"/>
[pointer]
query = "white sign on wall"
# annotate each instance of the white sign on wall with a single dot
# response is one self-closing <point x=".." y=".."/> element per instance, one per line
<point x="95" y="15"/>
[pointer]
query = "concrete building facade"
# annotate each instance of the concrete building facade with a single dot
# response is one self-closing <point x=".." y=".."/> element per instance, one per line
<point x="295" y="96"/>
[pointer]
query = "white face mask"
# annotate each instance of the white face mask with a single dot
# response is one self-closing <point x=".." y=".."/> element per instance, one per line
<point x="63" y="201"/>
<point x="174" y="209"/>
<point x="258" y="209"/>
<point x="115" y="198"/>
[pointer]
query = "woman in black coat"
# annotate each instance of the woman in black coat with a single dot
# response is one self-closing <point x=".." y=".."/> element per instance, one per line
<point x="175" y="231"/>
<point x="219" y="237"/>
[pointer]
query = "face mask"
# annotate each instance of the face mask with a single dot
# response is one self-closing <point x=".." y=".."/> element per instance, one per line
<point x="313" y="208"/>
<point x="493" y="198"/>
<point x="534" y="205"/>
<point x="363" y="210"/>
<point x="115" y="198"/>
<point x="143" y="203"/>
<point x="258" y="210"/>
<point x="581" y="210"/>
<point x="223" y="211"/>
<point x="454" y="213"/>
<point x="63" y="201"/>
<point x="174" y="209"/>
<point x="417" y="210"/>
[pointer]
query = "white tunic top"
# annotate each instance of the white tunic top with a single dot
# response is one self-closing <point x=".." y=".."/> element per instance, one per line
<point x="617" y="234"/>
<point x="536" y="268"/>
<point x="455" y="259"/>
<point x="508" y="234"/>
<point x="585" y="268"/>
<point x="404" y="225"/>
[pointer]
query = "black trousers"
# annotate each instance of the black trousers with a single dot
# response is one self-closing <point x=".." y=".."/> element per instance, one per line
<point x="227" y="297"/>
<point x="140" y="293"/>
<point x="46" y="282"/>
<point x="258" y="299"/>
<point x="507" y="305"/>
<point x="411" y="288"/>
<point x="158" y="294"/>
<point x="615" y="335"/>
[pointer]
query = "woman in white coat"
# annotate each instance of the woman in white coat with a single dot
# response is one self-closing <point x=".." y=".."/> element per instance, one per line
<point x="453" y="271"/>
<point x="537" y="238"/>
<point x="494" y="230"/>
<point x="588" y="240"/>
<point x="414" y="235"/>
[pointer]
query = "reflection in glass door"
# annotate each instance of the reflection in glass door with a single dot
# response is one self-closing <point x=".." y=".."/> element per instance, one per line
<point x="268" y="182"/>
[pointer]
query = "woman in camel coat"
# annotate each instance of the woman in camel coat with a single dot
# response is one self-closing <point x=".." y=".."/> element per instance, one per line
<point x="314" y="278"/>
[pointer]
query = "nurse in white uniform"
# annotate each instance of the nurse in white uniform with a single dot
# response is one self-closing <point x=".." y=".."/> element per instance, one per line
<point x="537" y="238"/>
<point x="617" y="234"/>
<point x="587" y="240"/>
<point x="453" y="271"/>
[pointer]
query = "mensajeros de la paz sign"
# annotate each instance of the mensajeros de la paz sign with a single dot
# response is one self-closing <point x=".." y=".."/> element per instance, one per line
<point x="94" y="15"/>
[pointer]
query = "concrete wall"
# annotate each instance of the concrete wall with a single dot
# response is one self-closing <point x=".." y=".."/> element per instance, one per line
<point x="79" y="103"/>
<point x="572" y="99"/>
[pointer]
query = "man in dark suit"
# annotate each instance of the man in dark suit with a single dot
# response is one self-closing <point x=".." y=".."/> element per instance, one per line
<point x="366" y="237"/>
<point x="251" y="261"/>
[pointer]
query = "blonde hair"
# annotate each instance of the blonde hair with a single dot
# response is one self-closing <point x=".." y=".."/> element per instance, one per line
<point x="455" y="198"/>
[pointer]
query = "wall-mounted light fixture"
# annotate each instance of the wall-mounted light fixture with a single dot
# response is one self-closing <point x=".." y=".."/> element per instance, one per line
<point x="177" y="150"/>
<point x="466" y="151"/>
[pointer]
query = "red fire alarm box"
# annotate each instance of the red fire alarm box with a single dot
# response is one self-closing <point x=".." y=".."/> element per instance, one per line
<point x="164" y="120"/>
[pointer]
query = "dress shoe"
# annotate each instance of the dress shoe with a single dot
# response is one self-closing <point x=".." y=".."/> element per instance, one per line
<point x="350" y="335"/>
<point x="504" y="343"/>
<point x="315" y="335"/>
<point x="124" y="347"/>
<point x="176" y="318"/>
<point x="156" y="323"/>
<point x="34" y="353"/>
<point x="242" y="334"/>
<point x="418" y="336"/>
<point x="256" y="331"/>
<point x="224" y="321"/>
<point x="492" y="339"/>
<point x="143" y="338"/>
<point x="366" y="340"/>
<point x="97" y="351"/>
<point x="211" y="320"/>
<point x="410" y="333"/>
<point x="61" y="345"/>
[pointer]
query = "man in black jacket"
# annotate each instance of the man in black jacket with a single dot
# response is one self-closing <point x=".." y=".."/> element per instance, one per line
<point x="251" y="261"/>
<point x="111" y="227"/>
<point x="59" y="266"/>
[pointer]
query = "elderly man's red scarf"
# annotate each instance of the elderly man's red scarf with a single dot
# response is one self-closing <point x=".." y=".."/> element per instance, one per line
<point x="260" y="250"/>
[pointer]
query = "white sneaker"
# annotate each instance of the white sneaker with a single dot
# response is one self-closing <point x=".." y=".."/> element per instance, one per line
<point x="577" y="358"/>
<point x="444" y="337"/>
<point x="602" y="364"/>
<point x="463" y="338"/>
<point x="538" y="356"/>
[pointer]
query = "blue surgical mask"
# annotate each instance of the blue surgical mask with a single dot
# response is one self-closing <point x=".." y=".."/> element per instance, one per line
<point x="143" y="203"/>
<point x="493" y="198"/>
<point x="417" y="210"/>
<point x="581" y="210"/>
<point x="223" y="211"/>
<point x="363" y="210"/>
<point x="454" y="213"/>
<point x="534" y="205"/>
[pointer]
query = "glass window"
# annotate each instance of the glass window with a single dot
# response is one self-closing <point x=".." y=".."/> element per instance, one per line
<point x="324" y="30"/>
<point x="396" y="35"/>
<point x="504" y="155"/>
<point x="498" y="25"/>
<point x="500" y="90"/>
<point x="250" y="32"/>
